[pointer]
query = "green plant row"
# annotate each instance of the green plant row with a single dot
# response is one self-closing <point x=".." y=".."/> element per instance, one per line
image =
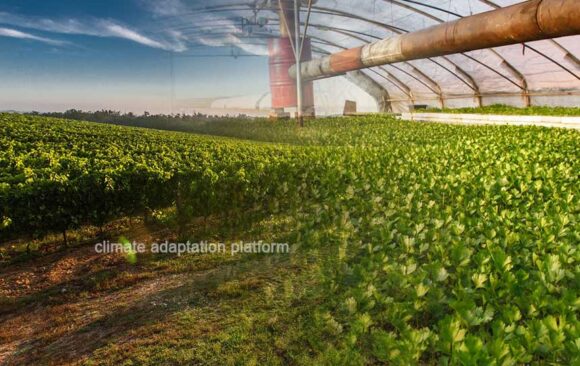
<point x="57" y="175"/>
<point x="448" y="244"/>
<point x="462" y="253"/>
<point x="510" y="110"/>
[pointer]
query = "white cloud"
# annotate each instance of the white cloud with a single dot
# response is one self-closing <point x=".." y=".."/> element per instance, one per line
<point x="13" y="33"/>
<point x="121" y="32"/>
<point x="229" y="32"/>
<point x="164" y="8"/>
<point x="179" y="40"/>
<point x="96" y="28"/>
<point x="170" y="34"/>
<point x="200" y="26"/>
<point x="110" y="29"/>
<point x="65" y="26"/>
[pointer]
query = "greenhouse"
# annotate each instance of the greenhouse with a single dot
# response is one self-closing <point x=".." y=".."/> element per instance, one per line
<point x="522" y="74"/>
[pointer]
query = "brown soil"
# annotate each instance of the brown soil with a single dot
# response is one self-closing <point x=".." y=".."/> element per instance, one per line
<point x="50" y="316"/>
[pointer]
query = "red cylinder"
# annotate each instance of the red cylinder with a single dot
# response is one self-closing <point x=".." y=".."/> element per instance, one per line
<point x="282" y="86"/>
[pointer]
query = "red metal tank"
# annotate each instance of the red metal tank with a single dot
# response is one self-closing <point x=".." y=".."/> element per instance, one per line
<point x="282" y="86"/>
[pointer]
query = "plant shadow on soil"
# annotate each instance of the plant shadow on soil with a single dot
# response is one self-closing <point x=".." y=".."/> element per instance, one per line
<point x="99" y="310"/>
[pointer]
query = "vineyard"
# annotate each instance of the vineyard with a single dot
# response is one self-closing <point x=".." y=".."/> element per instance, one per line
<point x="424" y="243"/>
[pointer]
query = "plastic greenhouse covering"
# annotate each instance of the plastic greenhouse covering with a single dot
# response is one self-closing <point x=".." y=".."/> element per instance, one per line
<point x="537" y="73"/>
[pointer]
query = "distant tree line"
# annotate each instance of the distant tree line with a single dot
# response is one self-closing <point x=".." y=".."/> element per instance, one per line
<point x="172" y="122"/>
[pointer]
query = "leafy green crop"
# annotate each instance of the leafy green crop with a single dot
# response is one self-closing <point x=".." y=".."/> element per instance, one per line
<point x="449" y="244"/>
<point x="509" y="110"/>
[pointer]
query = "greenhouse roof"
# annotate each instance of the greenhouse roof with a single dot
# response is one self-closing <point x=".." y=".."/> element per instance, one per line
<point x="543" y="68"/>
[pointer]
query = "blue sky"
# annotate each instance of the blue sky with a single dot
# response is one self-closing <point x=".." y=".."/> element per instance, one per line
<point x="93" y="54"/>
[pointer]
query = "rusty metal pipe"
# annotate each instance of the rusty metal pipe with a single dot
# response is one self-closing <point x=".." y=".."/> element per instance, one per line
<point x="524" y="22"/>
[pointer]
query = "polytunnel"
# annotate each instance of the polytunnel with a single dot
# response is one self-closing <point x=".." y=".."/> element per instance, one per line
<point x="543" y="72"/>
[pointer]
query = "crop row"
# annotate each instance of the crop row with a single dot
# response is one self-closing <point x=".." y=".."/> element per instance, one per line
<point x="509" y="110"/>
<point x="451" y="245"/>
<point x="57" y="175"/>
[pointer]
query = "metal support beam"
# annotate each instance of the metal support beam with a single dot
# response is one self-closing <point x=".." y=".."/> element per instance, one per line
<point x="523" y="81"/>
<point x="298" y="56"/>
<point x="287" y="25"/>
<point x="528" y="21"/>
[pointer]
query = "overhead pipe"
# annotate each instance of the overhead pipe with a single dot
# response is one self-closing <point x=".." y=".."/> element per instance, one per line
<point x="568" y="54"/>
<point x="524" y="22"/>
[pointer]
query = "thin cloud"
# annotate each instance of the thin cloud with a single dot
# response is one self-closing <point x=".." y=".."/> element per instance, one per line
<point x="164" y="8"/>
<point x="94" y="27"/>
<point x="177" y="13"/>
<point x="204" y="33"/>
<point x="119" y="31"/>
<point x="13" y="33"/>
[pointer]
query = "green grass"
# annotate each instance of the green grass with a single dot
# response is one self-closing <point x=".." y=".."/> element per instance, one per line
<point x="240" y="322"/>
<point x="509" y="110"/>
